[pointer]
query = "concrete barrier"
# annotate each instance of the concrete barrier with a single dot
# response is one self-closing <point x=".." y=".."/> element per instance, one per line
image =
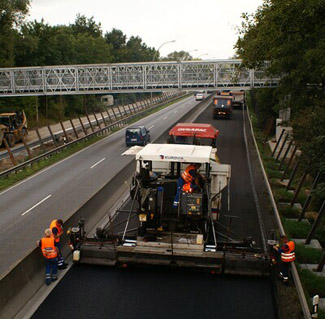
<point x="28" y="275"/>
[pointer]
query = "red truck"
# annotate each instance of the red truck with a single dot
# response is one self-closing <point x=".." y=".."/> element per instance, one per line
<point x="193" y="133"/>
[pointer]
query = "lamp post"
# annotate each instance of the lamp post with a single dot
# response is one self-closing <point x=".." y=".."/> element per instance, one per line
<point x="154" y="57"/>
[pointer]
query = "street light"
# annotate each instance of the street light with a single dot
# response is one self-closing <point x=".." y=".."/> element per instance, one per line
<point x="154" y="57"/>
<point x="201" y="55"/>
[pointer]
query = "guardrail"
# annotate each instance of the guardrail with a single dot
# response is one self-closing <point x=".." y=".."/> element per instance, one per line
<point x="300" y="291"/>
<point x="121" y="122"/>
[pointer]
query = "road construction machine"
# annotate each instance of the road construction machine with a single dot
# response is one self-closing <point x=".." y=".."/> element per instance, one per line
<point x="13" y="127"/>
<point x="193" y="133"/>
<point x="150" y="230"/>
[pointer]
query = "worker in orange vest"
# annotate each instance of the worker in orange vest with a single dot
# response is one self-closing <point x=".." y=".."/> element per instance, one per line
<point x="56" y="228"/>
<point x="287" y="256"/>
<point x="50" y="253"/>
<point x="189" y="176"/>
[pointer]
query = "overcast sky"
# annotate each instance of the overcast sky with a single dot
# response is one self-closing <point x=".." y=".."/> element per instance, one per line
<point x="208" y="26"/>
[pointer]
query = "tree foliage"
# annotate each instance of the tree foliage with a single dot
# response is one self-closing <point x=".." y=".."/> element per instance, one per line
<point x="12" y="13"/>
<point x="178" y="56"/>
<point x="291" y="36"/>
<point x="37" y="43"/>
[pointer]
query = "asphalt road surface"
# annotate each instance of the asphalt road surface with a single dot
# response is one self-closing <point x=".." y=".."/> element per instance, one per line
<point x="102" y="292"/>
<point x="27" y="208"/>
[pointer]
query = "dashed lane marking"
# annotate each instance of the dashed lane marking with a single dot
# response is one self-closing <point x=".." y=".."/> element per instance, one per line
<point x="103" y="159"/>
<point x="165" y="117"/>
<point x="151" y="127"/>
<point x="40" y="202"/>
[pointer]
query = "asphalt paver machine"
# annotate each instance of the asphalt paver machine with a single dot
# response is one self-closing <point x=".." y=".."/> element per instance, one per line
<point x="156" y="233"/>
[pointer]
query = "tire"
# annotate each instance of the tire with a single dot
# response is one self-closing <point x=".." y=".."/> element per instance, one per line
<point x="24" y="134"/>
<point x="11" y="140"/>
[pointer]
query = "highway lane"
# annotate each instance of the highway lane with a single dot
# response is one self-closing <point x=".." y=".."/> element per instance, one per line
<point x="232" y="150"/>
<point x="100" y="292"/>
<point x="28" y="207"/>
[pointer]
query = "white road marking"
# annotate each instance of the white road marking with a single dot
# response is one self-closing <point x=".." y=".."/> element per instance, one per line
<point x="103" y="159"/>
<point x="43" y="200"/>
<point x="165" y="117"/>
<point x="175" y="111"/>
<point x="151" y="127"/>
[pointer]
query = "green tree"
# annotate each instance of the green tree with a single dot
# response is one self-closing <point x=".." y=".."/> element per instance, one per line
<point x="12" y="13"/>
<point x="137" y="51"/>
<point x="117" y="40"/>
<point x="178" y="56"/>
<point x="86" y="25"/>
<point x="291" y="35"/>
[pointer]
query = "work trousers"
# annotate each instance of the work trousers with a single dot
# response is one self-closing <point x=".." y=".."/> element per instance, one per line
<point x="60" y="257"/>
<point x="51" y="270"/>
<point x="180" y="184"/>
<point x="284" y="268"/>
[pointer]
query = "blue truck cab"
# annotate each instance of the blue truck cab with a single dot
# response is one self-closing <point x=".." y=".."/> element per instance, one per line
<point x="137" y="135"/>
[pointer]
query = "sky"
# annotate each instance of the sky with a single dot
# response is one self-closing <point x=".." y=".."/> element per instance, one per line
<point x="205" y="28"/>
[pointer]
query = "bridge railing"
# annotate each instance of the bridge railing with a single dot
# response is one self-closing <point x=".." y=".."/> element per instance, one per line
<point x="131" y="77"/>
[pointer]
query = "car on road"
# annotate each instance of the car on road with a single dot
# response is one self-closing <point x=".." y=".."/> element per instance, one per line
<point x="199" y="96"/>
<point x="137" y="135"/>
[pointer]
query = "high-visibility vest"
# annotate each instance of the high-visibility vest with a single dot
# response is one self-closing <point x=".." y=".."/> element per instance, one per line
<point x="289" y="256"/>
<point x="48" y="247"/>
<point x="187" y="177"/>
<point x="187" y="188"/>
<point x="60" y="230"/>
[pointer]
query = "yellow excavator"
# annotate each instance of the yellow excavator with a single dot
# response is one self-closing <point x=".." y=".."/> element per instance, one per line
<point x="13" y="127"/>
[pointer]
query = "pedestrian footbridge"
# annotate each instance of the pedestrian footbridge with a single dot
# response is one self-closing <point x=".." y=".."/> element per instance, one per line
<point x="132" y="78"/>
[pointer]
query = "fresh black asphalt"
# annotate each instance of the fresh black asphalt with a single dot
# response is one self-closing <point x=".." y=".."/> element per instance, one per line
<point x="101" y="292"/>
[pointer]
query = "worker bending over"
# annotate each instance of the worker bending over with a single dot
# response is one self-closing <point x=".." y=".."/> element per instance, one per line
<point x="50" y="253"/>
<point x="56" y="232"/>
<point x="188" y="178"/>
<point x="287" y="253"/>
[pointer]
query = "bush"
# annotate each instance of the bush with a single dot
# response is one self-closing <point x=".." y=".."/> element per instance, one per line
<point x="295" y="229"/>
<point x="288" y="211"/>
<point x="282" y="195"/>
<point x="274" y="173"/>
<point x="308" y="255"/>
<point x="315" y="285"/>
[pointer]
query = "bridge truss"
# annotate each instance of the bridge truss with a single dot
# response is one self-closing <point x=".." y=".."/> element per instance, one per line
<point x="132" y="77"/>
